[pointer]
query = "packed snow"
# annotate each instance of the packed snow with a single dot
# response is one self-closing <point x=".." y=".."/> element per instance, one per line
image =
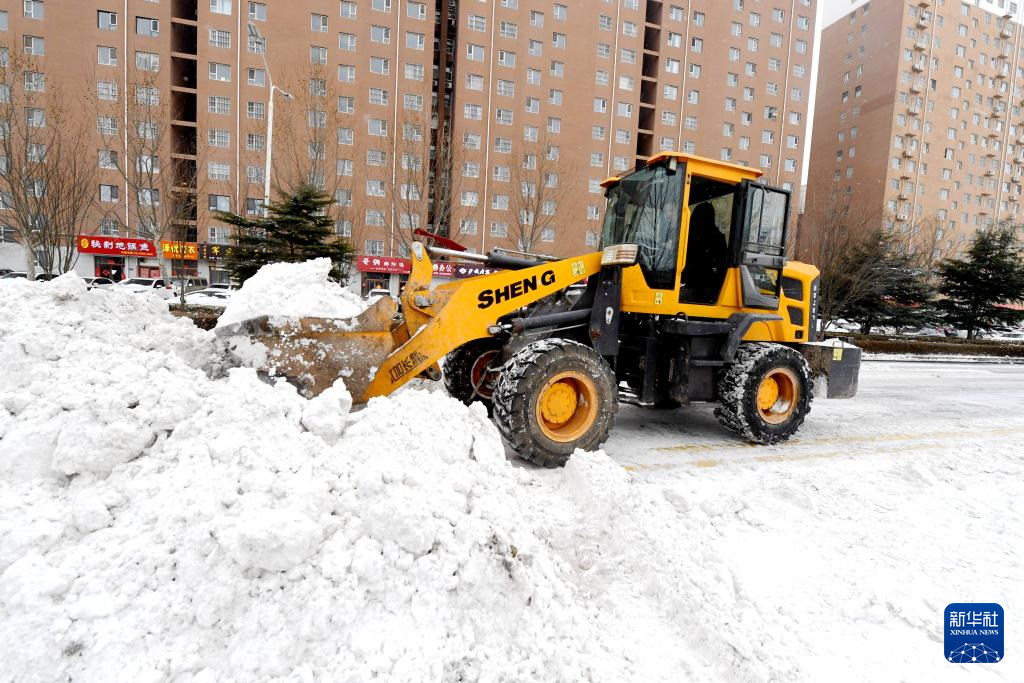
<point x="291" y="290"/>
<point x="165" y="516"/>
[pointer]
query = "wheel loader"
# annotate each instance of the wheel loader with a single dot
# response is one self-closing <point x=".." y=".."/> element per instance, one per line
<point x="690" y="299"/>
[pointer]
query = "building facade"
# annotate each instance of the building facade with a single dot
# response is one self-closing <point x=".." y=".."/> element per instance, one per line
<point x="918" y="117"/>
<point x="490" y="121"/>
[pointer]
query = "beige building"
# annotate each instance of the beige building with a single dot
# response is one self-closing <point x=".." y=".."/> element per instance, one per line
<point x="491" y="121"/>
<point x="918" y="116"/>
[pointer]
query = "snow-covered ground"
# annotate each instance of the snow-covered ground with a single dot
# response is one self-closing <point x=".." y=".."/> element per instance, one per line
<point x="165" y="517"/>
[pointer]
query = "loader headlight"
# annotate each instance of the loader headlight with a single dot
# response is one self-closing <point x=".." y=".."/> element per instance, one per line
<point x="619" y="255"/>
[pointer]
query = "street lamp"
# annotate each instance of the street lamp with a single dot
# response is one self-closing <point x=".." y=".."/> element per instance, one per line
<point x="255" y="33"/>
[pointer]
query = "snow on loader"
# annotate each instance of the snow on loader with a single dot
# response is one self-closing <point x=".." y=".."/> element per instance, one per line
<point x="690" y="299"/>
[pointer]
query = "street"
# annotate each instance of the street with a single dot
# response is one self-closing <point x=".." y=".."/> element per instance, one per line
<point x="849" y="541"/>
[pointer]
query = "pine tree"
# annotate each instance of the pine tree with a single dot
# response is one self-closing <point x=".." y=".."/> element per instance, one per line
<point x="297" y="228"/>
<point x="979" y="289"/>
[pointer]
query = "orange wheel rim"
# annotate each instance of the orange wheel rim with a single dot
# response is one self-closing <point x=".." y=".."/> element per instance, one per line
<point x="567" y="406"/>
<point x="777" y="395"/>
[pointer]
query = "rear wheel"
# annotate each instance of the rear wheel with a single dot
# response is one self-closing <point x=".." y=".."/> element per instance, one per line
<point x="553" y="397"/>
<point x="765" y="395"/>
<point x="469" y="371"/>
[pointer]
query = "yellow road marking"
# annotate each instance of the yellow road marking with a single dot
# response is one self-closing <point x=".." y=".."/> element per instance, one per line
<point x="795" y="457"/>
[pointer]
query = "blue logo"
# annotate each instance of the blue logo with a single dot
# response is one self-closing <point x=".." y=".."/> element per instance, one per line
<point x="974" y="633"/>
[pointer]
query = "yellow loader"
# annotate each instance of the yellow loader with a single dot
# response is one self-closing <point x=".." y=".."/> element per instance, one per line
<point x="691" y="298"/>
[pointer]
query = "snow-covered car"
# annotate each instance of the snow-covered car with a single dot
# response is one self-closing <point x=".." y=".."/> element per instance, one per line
<point x="374" y="294"/>
<point x="228" y="286"/>
<point x="1016" y="337"/>
<point x="14" y="275"/>
<point x="98" y="282"/>
<point x="922" y="332"/>
<point x="156" y="285"/>
<point x="209" y="297"/>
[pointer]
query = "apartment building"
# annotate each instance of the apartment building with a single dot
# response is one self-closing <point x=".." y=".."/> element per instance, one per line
<point x="918" y="117"/>
<point x="491" y="121"/>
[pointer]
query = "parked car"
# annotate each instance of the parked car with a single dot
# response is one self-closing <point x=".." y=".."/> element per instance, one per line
<point x="1016" y="337"/>
<point x="98" y="282"/>
<point x="46" y="277"/>
<point x="13" y="275"/>
<point x="4" y="271"/>
<point x="156" y="285"/>
<point x="374" y="294"/>
<point x="191" y="284"/>
<point x="209" y="297"/>
<point x="229" y="286"/>
<point x="922" y="332"/>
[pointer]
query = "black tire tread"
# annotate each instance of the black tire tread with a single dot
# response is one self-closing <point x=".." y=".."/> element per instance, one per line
<point x="737" y="387"/>
<point x="524" y="373"/>
<point x="458" y="367"/>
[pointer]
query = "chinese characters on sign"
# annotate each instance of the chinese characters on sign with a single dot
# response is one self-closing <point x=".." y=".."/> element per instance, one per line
<point x="212" y="252"/>
<point x="401" y="266"/>
<point x="114" y="246"/>
<point x="188" y="251"/>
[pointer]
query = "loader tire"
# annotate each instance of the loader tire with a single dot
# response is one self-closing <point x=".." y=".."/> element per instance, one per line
<point x="466" y="371"/>
<point x="764" y="395"/>
<point x="553" y="397"/>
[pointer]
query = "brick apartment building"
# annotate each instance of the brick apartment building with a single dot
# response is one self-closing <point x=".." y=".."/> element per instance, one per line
<point x="918" y="116"/>
<point x="530" y="103"/>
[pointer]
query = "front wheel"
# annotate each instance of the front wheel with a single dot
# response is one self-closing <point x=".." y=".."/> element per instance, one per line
<point x="765" y="394"/>
<point x="470" y="369"/>
<point x="553" y="397"/>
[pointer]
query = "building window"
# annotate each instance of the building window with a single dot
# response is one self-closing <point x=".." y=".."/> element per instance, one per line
<point x="144" y="26"/>
<point x="220" y="105"/>
<point x="257" y="11"/>
<point x="219" y="38"/>
<point x="220" y="6"/>
<point x="104" y="20"/>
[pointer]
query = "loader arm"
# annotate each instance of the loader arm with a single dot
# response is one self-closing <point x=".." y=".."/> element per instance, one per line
<point x="444" y="319"/>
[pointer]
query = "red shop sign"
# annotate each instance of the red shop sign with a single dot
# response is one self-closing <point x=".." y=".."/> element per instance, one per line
<point x="401" y="266"/>
<point x="114" y="246"/>
<point x="383" y="264"/>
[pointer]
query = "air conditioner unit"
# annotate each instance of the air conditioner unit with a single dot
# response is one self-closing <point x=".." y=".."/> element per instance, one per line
<point x="901" y="217"/>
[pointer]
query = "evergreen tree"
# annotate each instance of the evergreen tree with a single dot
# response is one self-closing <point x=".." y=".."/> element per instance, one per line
<point x="979" y="289"/>
<point x="297" y="228"/>
<point x="907" y="297"/>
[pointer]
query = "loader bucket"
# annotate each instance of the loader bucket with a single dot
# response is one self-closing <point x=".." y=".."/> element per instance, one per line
<point x="312" y="353"/>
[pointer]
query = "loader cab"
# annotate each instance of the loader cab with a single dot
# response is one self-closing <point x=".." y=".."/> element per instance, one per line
<point x="710" y="238"/>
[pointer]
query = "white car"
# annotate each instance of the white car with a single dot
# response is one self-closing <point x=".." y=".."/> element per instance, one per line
<point x="227" y="286"/>
<point x="1016" y="337"/>
<point x="98" y="282"/>
<point x="209" y="297"/>
<point x="156" y="285"/>
<point x="376" y="294"/>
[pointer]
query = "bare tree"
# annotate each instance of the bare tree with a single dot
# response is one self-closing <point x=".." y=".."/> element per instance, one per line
<point x="537" y="188"/>
<point x="307" y="149"/>
<point x="163" y="189"/>
<point x="47" y="177"/>
<point x="848" y="245"/>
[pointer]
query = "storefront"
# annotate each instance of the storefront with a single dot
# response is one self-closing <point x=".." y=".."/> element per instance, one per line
<point x="213" y="255"/>
<point x="183" y="257"/>
<point x="114" y="257"/>
<point x="381" y="272"/>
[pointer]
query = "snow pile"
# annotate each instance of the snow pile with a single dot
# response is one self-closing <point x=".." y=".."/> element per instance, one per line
<point x="291" y="290"/>
<point x="161" y="518"/>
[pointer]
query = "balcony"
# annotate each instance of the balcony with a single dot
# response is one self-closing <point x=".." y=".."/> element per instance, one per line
<point x="907" y="154"/>
<point x="998" y="113"/>
<point x="923" y="22"/>
<point x="921" y="45"/>
<point x="925" y="4"/>
<point x="989" y="173"/>
<point x="917" y="87"/>
<point x="905" y="174"/>
<point x="914" y="111"/>
<point x="1005" y="33"/>
<point x="917" y="67"/>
